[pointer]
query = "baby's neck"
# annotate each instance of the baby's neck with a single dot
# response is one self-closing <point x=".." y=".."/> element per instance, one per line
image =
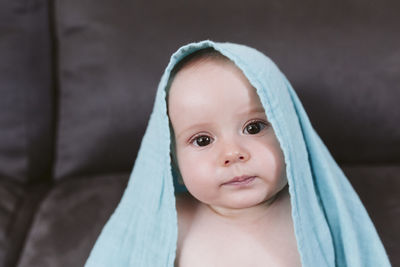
<point x="252" y="215"/>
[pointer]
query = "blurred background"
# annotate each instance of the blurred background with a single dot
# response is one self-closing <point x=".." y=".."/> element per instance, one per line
<point x="78" y="80"/>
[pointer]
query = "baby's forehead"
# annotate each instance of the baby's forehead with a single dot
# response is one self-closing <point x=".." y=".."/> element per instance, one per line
<point x="201" y="70"/>
<point x="202" y="55"/>
<point x="210" y="77"/>
<point x="195" y="59"/>
<point x="211" y="86"/>
<point x="200" y="66"/>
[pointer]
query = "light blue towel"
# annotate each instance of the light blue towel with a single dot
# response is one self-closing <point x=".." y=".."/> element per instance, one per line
<point x="331" y="225"/>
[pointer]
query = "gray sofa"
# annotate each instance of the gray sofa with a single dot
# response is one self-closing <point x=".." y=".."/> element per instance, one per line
<point x="78" y="78"/>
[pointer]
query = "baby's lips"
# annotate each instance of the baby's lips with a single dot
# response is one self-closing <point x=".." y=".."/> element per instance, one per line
<point x="239" y="179"/>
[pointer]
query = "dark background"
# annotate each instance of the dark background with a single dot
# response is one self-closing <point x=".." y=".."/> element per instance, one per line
<point x="78" y="79"/>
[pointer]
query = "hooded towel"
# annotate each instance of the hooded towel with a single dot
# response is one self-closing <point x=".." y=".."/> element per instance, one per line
<point x="331" y="225"/>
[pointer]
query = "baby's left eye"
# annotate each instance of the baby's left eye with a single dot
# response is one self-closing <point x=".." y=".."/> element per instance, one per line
<point x="254" y="127"/>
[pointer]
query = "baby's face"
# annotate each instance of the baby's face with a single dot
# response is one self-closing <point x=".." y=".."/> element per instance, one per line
<point x="227" y="152"/>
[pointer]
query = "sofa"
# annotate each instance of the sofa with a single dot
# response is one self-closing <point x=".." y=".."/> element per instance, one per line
<point x="78" y="79"/>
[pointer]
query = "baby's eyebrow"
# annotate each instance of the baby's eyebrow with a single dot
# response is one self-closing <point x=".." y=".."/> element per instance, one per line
<point x="253" y="110"/>
<point x="192" y="127"/>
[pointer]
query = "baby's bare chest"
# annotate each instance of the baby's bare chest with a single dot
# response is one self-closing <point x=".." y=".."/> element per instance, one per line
<point x="216" y="245"/>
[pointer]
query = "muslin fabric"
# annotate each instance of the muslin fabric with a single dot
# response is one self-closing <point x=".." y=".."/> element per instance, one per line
<point x="332" y="227"/>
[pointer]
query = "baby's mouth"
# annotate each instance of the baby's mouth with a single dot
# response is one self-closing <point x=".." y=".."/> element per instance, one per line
<point x="240" y="180"/>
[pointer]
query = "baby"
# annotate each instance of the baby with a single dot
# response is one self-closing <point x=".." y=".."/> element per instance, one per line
<point x="237" y="211"/>
<point x="230" y="173"/>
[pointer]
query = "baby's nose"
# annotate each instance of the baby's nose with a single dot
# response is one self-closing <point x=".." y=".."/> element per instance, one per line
<point x="234" y="156"/>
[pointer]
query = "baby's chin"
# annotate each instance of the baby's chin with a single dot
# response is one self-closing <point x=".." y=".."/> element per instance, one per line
<point x="255" y="200"/>
<point x="242" y="204"/>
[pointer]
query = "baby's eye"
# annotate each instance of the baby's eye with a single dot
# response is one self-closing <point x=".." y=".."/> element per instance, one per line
<point x="202" y="140"/>
<point x="254" y="127"/>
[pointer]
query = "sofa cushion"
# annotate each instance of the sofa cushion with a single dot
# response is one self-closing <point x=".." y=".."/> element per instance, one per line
<point x="10" y="198"/>
<point x="26" y="90"/>
<point x="18" y="204"/>
<point x="69" y="220"/>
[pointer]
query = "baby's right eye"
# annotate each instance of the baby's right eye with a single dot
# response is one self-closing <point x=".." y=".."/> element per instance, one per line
<point x="202" y="140"/>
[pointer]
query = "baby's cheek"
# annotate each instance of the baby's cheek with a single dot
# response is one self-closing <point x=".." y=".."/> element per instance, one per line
<point x="280" y="167"/>
<point x="269" y="157"/>
<point x="199" y="179"/>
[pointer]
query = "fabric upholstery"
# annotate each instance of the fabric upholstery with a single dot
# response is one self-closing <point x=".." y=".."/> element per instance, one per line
<point x="69" y="220"/>
<point x="26" y="91"/>
<point x="10" y="198"/>
<point x="23" y="202"/>
<point x="104" y="92"/>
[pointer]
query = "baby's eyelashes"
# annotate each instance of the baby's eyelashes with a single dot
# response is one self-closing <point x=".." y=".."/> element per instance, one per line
<point x="201" y="140"/>
<point x="254" y="127"/>
<point x="251" y="128"/>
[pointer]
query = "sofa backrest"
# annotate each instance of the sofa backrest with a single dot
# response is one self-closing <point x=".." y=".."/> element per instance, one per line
<point x="78" y="79"/>
<point x="342" y="57"/>
<point x="26" y="92"/>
